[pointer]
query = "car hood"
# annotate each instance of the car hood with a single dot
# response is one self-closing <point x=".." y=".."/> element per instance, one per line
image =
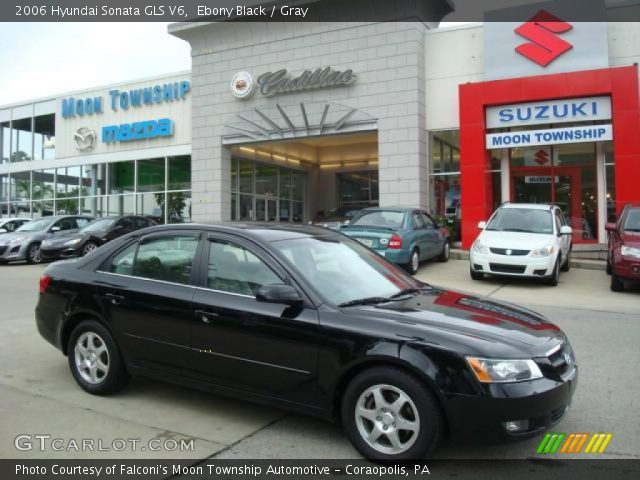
<point x="631" y="239"/>
<point x="59" y="240"/>
<point x="470" y="324"/>
<point x="7" y="237"/>
<point x="515" y="240"/>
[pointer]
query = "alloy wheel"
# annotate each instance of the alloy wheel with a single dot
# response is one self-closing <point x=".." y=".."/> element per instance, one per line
<point x="387" y="419"/>
<point x="415" y="261"/>
<point x="91" y="358"/>
<point x="35" y="254"/>
<point x="447" y="250"/>
<point x="88" y="248"/>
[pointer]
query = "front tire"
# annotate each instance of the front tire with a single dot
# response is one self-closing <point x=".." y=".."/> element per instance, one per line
<point x="34" y="254"/>
<point x="554" y="279"/>
<point x="617" y="285"/>
<point x="95" y="360"/>
<point x="566" y="266"/>
<point x="446" y="252"/>
<point x="609" y="268"/>
<point x="475" y="275"/>
<point x="88" y="247"/>
<point x="414" y="262"/>
<point x="389" y="415"/>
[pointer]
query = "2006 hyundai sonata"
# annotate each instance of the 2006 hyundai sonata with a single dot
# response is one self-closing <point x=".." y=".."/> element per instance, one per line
<point x="307" y="319"/>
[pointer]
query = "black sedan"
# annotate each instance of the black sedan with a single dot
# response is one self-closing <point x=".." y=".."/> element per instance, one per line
<point x="92" y="235"/>
<point x="307" y="319"/>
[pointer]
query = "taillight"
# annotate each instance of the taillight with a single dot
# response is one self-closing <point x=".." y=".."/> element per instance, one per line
<point x="395" y="241"/>
<point x="45" y="280"/>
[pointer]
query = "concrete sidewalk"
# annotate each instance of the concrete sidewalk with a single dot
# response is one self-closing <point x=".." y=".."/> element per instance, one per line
<point x="578" y="289"/>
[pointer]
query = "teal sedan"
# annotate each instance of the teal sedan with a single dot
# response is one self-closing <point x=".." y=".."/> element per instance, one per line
<point x="405" y="236"/>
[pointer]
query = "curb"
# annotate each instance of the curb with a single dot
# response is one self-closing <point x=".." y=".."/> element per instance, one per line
<point x="575" y="262"/>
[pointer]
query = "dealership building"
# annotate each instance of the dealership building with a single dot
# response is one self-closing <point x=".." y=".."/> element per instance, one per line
<point x="286" y="122"/>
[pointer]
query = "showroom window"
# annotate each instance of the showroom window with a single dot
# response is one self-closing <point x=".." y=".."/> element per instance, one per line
<point x="444" y="179"/>
<point x="21" y="140"/>
<point x="358" y="188"/>
<point x="610" y="179"/>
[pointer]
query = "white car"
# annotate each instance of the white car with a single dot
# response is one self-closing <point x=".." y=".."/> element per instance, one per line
<point x="8" y="225"/>
<point x="523" y="240"/>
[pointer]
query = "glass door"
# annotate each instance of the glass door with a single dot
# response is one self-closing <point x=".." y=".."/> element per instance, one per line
<point x="266" y="209"/>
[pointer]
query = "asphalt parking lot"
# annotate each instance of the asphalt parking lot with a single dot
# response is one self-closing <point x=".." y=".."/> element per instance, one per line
<point x="39" y="396"/>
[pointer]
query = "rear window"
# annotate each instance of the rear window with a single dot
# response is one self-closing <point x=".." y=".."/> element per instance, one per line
<point x="380" y="218"/>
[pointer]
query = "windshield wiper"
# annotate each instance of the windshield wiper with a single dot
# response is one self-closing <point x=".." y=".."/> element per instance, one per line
<point x="632" y="229"/>
<point x="523" y="230"/>
<point x="406" y="291"/>
<point x="364" y="301"/>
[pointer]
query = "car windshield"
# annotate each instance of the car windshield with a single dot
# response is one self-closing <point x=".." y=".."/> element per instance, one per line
<point x="380" y="218"/>
<point x="528" y="220"/>
<point x="343" y="270"/>
<point x="36" y="225"/>
<point x="632" y="222"/>
<point x="98" y="225"/>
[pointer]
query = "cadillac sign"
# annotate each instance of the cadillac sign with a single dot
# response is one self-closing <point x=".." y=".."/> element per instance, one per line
<point x="280" y="81"/>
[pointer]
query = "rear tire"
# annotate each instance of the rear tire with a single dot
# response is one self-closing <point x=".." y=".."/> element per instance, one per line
<point x="395" y="406"/>
<point x="554" y="279"/>
<point x="446" y="252"/>
<point x="617" y="285"/>
<point x="475" y="275"/>
<point x="95" y="360"/>
<point x="414" y="262"/>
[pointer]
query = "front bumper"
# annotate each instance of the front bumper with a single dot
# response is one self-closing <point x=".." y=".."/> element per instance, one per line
<point x="542" y="402"/>
<point x="54" y="253"/>
<point x="512" y="266"/>
<point x="628" y="268"/>
<point x="13" y="252"/>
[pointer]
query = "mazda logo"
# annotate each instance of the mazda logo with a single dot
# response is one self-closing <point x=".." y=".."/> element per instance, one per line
<point x="84" y="138"/>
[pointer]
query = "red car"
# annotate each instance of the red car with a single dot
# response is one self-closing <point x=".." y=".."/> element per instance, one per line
<point x="623" y="262"/>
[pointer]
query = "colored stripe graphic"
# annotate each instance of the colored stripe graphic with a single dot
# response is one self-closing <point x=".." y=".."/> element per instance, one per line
<point x="573" y="443"/>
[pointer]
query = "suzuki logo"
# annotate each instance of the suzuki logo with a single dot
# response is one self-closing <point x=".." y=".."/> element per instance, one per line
<point x="84" y="138"/>
<point x="545" y="46"/>
<point x="541" y="157"/>
<point x="508" y="252"/>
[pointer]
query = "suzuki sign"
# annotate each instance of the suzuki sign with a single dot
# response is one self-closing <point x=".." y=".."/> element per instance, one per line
<point x="545" y="45"/>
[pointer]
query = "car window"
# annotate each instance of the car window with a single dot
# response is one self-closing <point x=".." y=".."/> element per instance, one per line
<point x="168" y="258"/>
<point x="125" y="223"/>
<point x="65" y="224"/>
<point x="380" y="218"/>
<point x="141" y="222"/>
<point x="11" y="226"/>
<point x="427" y="220"/>
<point x="235" y="269"/>
<point x="560" y="218"/>
<point x="122" y="263"/>
<point x="632" y="222"/>
<point x="558" y="222"/>
<point x="81" y="222"/>
<point x="417" y="220"/>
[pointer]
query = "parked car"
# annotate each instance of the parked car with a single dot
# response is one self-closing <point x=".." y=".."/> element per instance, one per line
<point x="8" y="225"/>
<point x="338" y="217"/>
<point x="623" y="260"/>
<point x="523" y="240"/>
<point x="24" y="243"/>
<point x="92" y="235"/>
<point x="304" y="318"/>
<point x="405" y="236"/>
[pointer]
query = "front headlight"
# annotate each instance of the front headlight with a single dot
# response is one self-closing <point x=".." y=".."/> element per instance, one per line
<point x="71" y="243"/>
<point x="543" y="252"/>
<point x="17" y="240"/>
<point x="489" y="370"/>
<point x="479" y="247"/>
<point x="630" y="251"/>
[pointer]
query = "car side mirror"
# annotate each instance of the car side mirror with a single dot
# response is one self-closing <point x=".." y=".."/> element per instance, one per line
<point x="610" y="227"/>
<point x="565" y="230"/>
<point x="284" y="294"/>
<point x="55" y="229"/>
<point x="482" y="225"/>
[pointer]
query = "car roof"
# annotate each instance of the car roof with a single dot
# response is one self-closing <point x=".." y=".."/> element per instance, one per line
<point x="389" y="209"/>
<point x="531" y="206"/>
<point x="269" y="232"/>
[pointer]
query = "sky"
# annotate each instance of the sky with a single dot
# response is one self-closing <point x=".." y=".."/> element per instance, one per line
<point x="42" y="59"/>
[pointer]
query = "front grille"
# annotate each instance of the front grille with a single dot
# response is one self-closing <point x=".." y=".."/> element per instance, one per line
<point x="3" y="249"/>
<point x="561" y="361"/>
<point x="558" y="413"/>
<point x="512" y="252"/>
<point x="503" y="268"/>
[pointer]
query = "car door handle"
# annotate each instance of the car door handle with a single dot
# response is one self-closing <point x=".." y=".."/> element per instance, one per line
<point x="114" y="298"/>
<point x="206" y="316"/>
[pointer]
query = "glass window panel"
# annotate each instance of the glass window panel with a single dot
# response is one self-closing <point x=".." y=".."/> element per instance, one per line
<point x="166" y="258"/>
<point x="266" y="180"/>
<point x="285" y="183"/>
<point x="94" y="178"/>
<point x="608" y="152"/>
<point x="21" y="140"/>
<point x="67" y="206"/>
<point x="179" y="204"/>
<point x="5" y="142"/>
<point x="297" y="185"/>
<point x="285" y="210"/>
<point x="93" y="206"/>
<point x="611" y="193"/>
<point x="234" y="174"/>
<point x="121" y="177"/>
<point x="574" y="154"/>
<point x="121" y="205"/>
<point x="179" y="173"/>
<point x="4" y="187"/>
<point x="234" y="206"/>
<point x="20" y="186"/>
<point x="67" y="182"/>
<point x="375" y="193"/>
<point x="151" y="204"/>
<point x="297" y="211"/>
<point x="246" y="176"/>
<point x="246" y="207"/>
<point x="354" y="187"/>
<point x="151" y="175"/>
<point x="42" y="208"/>
<point x="43" y="184"/>
<point x="436" y="155"/>
<point x="44" y="127"/>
